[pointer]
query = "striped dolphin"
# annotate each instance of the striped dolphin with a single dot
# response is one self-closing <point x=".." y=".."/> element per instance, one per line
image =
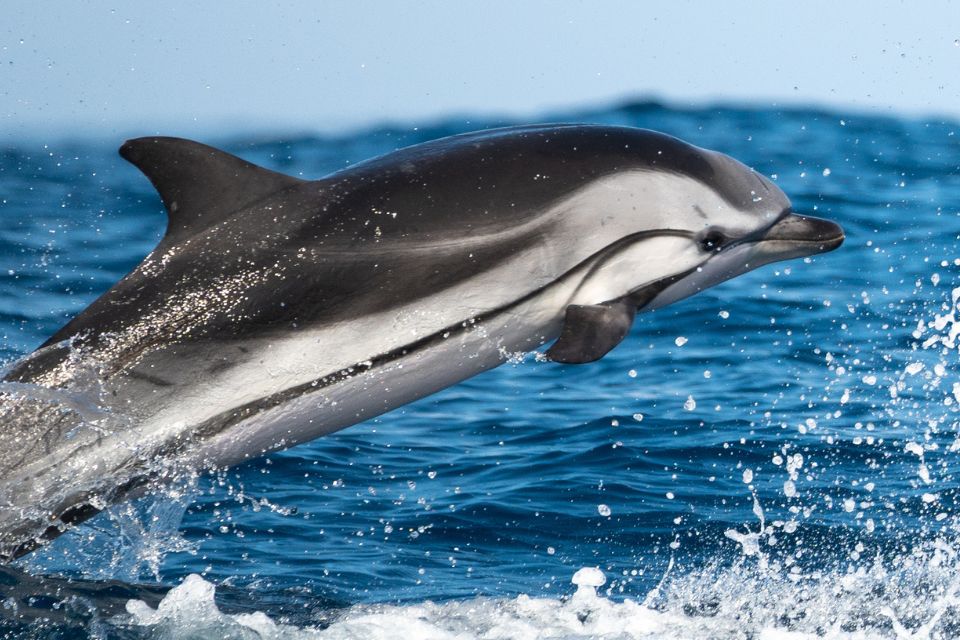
<point x="276" y="310"/>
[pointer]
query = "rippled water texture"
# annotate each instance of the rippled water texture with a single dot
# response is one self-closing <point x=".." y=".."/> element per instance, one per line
<point x="773" y="458"/>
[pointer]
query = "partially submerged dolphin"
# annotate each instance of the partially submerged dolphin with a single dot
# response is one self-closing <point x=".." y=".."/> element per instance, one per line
<point x="276" y="310"/>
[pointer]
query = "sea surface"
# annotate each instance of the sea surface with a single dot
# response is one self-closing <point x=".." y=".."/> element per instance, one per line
<point x="774" y="458"/>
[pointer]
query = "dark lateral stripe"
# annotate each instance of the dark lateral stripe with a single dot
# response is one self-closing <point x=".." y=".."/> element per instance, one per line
<point x="229" y="418"/>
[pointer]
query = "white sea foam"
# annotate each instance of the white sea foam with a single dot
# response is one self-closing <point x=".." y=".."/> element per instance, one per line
<point x="918" y="599"/>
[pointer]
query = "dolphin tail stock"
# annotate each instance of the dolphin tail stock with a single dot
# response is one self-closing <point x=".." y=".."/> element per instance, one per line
<point x="200" y="185"/>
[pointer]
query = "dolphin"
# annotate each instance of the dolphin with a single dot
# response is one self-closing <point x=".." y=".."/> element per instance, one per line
<point x="275" y="310"/>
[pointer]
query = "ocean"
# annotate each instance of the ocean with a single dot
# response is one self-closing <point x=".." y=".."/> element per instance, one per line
<point x="773" y="458"/>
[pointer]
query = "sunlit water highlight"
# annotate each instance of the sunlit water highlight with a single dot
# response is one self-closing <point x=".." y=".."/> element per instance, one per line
<point x="774" y="458"/>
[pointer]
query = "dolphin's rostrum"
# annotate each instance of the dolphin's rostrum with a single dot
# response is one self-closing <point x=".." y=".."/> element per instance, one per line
<point x="275" y="310"/>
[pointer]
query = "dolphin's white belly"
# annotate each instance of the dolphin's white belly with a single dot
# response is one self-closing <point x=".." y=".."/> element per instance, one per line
<point x="376" y="390"/>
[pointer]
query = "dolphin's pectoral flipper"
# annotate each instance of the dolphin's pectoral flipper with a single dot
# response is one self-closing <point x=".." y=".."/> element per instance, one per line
<point x="590" y="331"/>
<point x="200" y="185"/>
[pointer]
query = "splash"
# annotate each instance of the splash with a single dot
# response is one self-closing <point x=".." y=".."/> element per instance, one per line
<point x="65" y="447"/>
<point x="917" y="601"/>
<point x="128" y="542"/>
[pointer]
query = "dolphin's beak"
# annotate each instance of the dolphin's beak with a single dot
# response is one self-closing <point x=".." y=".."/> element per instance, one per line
<point x="791" y="236"/>
<point x="797" y="236"/>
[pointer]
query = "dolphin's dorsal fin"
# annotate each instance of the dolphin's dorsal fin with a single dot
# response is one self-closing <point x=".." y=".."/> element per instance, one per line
<point x="200" y="185"/>
<point x="590" y="331"/>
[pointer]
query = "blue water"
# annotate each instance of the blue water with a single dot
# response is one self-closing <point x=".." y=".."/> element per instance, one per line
<point x="802" y="398"/>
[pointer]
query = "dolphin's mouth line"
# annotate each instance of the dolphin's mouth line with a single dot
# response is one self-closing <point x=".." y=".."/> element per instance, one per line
<point x="646" y="294"/>
<point x="764" y="236"/>
<point x="755" y="237"/>
<point x="799" y="243"/>
<point x="825" y="233"/>
<point x="790" y="235"/>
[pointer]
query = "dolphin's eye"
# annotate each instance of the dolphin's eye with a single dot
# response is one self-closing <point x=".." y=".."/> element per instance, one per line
<point x="712" y="241"/>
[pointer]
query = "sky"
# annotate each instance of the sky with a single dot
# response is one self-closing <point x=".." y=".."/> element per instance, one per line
<point x="105" y="69"/>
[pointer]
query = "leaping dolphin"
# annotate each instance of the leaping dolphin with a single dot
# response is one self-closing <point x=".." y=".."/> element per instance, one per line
<point x="276" y="310"/>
